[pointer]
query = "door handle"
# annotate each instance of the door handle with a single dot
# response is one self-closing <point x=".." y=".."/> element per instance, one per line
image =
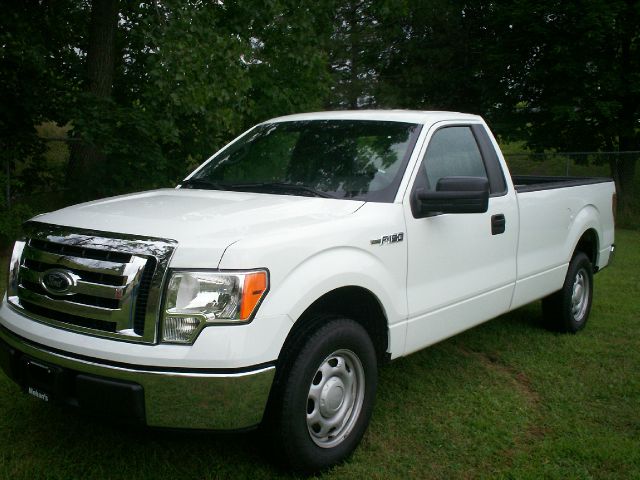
<point x="498" y="224"/>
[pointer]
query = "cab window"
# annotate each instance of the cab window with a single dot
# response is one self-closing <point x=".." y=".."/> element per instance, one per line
<point x="452" y="152"/>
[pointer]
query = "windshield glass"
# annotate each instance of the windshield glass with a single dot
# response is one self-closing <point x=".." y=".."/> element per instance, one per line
<point x="355" y="159"/>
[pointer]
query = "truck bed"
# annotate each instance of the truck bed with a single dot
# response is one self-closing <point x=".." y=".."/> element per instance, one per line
<point x="531" y="183"/>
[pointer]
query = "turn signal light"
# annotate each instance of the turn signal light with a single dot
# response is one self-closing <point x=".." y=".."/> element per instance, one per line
<point x="255" y="285"/>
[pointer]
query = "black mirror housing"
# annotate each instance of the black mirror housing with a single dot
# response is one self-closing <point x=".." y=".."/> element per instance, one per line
<point x="452" y="195"/>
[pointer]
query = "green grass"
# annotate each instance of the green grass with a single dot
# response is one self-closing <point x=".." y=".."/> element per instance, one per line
<point x="504" y="400"/>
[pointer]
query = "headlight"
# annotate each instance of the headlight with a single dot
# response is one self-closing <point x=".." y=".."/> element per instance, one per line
<point x="195" y="299"/>
<point x="14" y="269"/>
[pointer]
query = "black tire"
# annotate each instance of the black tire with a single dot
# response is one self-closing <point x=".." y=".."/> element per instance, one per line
<point x="342" y="349"/>
<point x="567" y="310"/>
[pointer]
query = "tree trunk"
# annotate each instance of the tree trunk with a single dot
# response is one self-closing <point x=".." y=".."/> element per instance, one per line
<point x="7" y="180"/>
<point x="102" y="39"/>
<point x="623" y="170"/>
<point x="87" y="161"/>
<point x="628" y="141"/>
<point x="626" y="171"/>
<point x="354" y="51"/>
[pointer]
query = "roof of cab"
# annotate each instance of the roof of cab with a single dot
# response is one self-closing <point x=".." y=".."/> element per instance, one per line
<point x="409" y="116"/>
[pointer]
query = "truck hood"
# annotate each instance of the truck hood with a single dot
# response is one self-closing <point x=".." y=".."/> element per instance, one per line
<point x="203" y="222"/>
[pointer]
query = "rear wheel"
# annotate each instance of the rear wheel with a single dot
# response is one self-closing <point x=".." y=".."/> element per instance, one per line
<point x="325" y="397"/>
<point x="567" y="310"/>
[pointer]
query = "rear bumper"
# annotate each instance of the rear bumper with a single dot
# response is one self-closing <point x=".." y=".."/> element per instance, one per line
<point x="157" y="397"/>
<point x="612" y="253"/>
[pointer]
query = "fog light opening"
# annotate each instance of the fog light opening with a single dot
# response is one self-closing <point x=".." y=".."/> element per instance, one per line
<point x="180" y="329"/>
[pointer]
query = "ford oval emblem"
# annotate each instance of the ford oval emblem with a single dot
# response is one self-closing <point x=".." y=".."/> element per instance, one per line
<point x="57" y="281"/>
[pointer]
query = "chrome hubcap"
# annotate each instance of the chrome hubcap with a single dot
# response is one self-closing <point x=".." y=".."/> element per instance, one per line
<point x="580" y="295"/>
<point x="335" y="398"/>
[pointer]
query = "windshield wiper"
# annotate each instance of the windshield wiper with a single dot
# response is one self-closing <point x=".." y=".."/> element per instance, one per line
<point x="258" y="186"/>
<point x="280" y="187"/>
<point x="202" y="183"/>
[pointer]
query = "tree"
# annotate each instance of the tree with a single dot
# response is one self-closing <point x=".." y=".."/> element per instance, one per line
<point x="433" y="56"/>
<point x="355" y="47"/>
<point x="187" y="77"/>
<point x="87" y="161"/>
<point x="560" y="75"/>
<point x="36" y="70"/>
<point x="573" y="77"/>
<point x="37" y="67"/>
<point x="287" y="66"/>
<point x="152" y="88"/>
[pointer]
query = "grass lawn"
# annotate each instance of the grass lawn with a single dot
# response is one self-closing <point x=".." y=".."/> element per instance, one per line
<point x="504" y="400"/>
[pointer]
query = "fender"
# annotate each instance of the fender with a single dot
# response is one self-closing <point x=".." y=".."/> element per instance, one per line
<point x="334" y="268"/>
<point x="586" y="219"/>
<point x="339" y="267"/>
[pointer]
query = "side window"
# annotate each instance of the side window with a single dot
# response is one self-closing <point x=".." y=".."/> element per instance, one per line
<point x="452" y="151"/>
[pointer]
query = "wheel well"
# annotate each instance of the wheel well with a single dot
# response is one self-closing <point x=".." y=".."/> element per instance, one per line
<point x="356" y="303"/>
<point x="588" y="244"/>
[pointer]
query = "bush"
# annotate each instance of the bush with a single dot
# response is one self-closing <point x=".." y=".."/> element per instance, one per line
<point x="11" y="221"/>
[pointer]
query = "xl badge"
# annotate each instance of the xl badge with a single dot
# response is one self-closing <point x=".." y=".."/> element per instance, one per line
<point x="57" y="281"/>
<point x="386" y="239"/>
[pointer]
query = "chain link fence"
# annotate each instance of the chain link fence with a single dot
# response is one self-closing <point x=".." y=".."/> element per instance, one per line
<point x="569" y="164"/>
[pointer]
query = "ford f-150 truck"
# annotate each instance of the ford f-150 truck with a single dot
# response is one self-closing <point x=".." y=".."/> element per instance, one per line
<point x="269" y="286"/>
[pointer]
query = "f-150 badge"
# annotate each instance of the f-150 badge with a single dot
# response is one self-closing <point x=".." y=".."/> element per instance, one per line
<point x="387" y="239"/>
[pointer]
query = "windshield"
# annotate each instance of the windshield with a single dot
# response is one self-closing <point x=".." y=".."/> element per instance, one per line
<point x="355" y="159"/>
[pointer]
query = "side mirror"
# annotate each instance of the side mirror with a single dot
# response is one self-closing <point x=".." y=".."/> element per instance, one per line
<point x="452" y="195"/>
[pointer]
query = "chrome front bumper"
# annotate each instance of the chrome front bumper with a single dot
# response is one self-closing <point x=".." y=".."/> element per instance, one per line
<point x="174" y="398"/>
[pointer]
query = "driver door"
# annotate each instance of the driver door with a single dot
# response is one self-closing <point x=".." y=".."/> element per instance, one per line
<point x="462" y="267"/>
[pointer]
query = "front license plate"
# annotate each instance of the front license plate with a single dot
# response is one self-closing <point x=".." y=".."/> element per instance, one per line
<point x="39" y="379"/>
<point x="38" y="394"/>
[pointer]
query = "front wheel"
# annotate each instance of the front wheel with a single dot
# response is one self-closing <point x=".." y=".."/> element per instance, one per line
<point x="568" y="309"/>
<point x="326" y="398"/>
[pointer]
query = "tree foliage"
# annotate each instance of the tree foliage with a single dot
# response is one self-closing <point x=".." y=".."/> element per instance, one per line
<point x="36" y="63"/>
<point x="187" y="76"/>
<point x="190" y="76"/>
<point x="574" y="77"/>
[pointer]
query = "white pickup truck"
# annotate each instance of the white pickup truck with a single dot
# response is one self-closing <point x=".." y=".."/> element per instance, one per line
<point x="269" y="286"/>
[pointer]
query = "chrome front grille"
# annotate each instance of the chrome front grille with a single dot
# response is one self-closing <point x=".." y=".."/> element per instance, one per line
<point x="92" y="282"/>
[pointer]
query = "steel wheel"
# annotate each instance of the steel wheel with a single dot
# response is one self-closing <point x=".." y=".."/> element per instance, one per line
<point x="580" y="295"/>
<point x="324" y="394"/>
<point x="335" y="398"/>
<point x="567" y="310"/>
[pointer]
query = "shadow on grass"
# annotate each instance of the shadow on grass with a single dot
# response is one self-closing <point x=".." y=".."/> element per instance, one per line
<point x="65" y="443"/>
